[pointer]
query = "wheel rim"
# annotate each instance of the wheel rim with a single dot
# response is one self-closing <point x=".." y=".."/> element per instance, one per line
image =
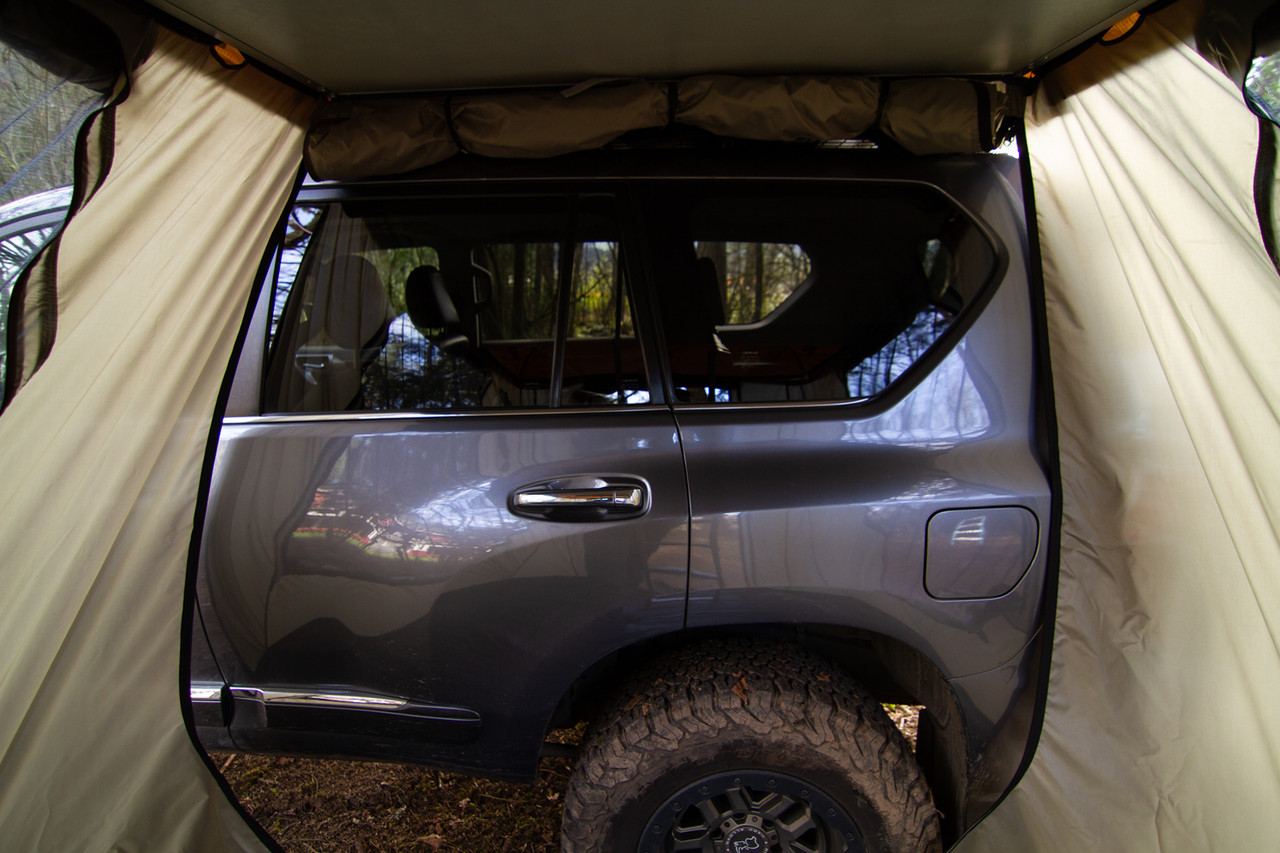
<point x="751" y="812"/>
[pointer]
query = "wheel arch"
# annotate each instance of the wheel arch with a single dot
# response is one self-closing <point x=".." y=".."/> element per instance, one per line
<point x="891" y="670"/>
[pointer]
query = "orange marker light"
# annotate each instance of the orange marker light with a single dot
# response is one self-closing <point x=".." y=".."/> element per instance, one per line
<point x="1121" y="28"/>
<point x="228" y="56"/>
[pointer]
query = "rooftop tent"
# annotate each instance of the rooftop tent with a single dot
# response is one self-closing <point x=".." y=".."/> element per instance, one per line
<point x="1160" y="300"/>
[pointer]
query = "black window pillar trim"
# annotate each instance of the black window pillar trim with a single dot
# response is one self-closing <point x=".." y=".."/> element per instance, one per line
<point x="564" y="303"/>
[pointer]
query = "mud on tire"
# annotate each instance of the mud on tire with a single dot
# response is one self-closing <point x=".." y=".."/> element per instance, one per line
<point x="746" y="745"/>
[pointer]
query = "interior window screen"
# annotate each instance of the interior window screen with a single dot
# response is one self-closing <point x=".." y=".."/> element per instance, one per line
<point x="774" y="296"/>
<point x="451" y="304"/>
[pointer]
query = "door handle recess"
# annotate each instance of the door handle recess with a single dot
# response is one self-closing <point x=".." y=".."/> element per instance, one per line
<point x="581" y="499"/>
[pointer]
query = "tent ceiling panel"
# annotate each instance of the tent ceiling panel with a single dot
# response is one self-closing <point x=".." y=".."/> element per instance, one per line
<point x="380" y="46"/>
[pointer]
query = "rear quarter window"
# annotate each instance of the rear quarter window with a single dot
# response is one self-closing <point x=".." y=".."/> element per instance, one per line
<point x="787" y="294"/>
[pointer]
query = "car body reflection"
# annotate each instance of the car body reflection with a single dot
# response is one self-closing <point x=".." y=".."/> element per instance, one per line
<point x="362" y="536"/>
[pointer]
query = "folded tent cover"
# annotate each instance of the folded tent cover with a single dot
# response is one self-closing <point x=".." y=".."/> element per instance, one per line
<point x="387" y="136"/>
<point x="1161" y="297"/>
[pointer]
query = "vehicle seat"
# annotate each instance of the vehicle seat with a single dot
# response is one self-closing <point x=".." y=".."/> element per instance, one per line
<point x="694" y="306"/>
<point x="345" y="333"/>
<point x="706" y="284"/>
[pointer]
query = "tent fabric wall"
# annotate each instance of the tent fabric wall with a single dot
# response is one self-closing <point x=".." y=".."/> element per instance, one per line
<point x="1163" y="310"/>
<point x="102" y="452"/>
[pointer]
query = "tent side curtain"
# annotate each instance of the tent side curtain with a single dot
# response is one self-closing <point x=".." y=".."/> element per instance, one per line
<point x="1160" y="728"/>
<point x="62" y="70"/>
<point x="385" y="136"/>
<point x="102" y="453"/>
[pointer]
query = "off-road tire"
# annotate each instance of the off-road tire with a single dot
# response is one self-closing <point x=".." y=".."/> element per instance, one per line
<point x="755" y="710"/>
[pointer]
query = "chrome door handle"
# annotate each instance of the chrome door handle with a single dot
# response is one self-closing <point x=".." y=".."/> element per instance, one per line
<point x="610" y="498"/>
<point x="581" y="499"/>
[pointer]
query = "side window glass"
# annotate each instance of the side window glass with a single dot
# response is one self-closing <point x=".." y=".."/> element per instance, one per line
<point x="603" y="363"/>
<point x="881" y="368"/>
<point x="775" y="296"/>
<point x="17" y="249"/>
<point x="525" y="278"/>
<point x="451" y="304"/>
<point x="303" y="221"/>
<point x="755" y="278"/>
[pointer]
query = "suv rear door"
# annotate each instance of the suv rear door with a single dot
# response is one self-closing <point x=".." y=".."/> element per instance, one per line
<point x="461" y="486"/>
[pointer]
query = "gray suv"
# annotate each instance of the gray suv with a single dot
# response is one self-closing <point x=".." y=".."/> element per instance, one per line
<point x="713" y="451"/>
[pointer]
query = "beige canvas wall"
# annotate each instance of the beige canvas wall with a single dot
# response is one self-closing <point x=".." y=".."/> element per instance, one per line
<point x="1164" y="312"/>
<point x="101" y="455"/>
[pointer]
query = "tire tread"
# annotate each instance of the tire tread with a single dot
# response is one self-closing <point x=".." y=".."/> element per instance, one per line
<point x="747" y="687"/>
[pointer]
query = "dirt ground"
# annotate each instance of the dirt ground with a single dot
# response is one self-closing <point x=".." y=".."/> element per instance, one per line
<point x="318" y="806"/>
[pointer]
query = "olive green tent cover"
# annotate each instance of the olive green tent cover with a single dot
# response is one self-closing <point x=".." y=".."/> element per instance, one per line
<point x="1159" y="730"/>
<point x="388" y="136"/>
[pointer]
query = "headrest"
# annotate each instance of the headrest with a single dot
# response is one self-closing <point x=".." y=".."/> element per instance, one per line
<point x="428" y="300"/>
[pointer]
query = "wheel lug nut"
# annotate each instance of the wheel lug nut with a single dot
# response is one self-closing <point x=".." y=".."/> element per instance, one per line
<point x="704" y="790"/>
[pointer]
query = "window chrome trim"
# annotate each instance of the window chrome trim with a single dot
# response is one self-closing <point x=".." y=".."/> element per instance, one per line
<point x="320" y="417"/>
